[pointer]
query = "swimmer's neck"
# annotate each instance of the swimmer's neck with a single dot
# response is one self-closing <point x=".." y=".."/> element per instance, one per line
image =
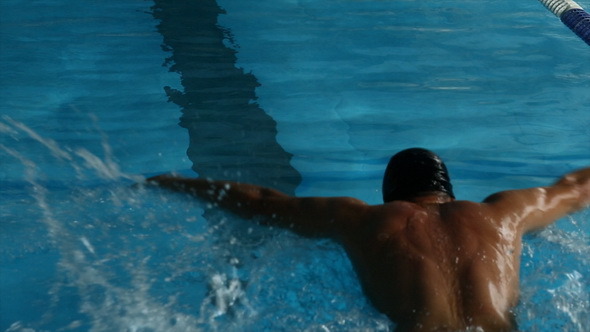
<point x="431" y="198"/>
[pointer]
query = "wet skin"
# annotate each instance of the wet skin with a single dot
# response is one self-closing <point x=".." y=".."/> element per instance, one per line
<point x="430" y="263"/>
<point x="429" y="266"/>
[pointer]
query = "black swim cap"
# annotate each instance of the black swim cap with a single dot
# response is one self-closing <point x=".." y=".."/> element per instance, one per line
<point x="414" y="172"/>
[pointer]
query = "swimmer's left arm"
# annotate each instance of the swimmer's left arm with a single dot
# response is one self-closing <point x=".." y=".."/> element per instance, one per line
<point x="535" y="208"/>
<point x="308" y="216"/>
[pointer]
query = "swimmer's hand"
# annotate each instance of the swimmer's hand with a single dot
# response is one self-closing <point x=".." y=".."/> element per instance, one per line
<point x="159" y="178"/>
<point x="172" y="181"/>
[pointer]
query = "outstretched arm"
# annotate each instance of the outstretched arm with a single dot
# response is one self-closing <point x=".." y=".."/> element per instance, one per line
<point x="309" y="216"/>
<point x="535" y="208"/>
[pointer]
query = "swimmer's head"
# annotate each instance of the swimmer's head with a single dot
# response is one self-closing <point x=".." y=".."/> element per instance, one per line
<point x="415" y="172"/>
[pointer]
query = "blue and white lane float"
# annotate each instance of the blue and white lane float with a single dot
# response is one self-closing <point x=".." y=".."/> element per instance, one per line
<point x="572" y="15"/>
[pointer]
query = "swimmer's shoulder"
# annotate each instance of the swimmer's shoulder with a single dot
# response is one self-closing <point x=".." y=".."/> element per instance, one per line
<point x="471" y="219"/>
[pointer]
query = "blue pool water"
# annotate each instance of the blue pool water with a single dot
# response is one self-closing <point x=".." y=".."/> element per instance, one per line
<point x="309" y="97"/>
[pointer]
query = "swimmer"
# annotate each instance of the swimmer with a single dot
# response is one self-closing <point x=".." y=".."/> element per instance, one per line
<point x="427" y="261"/>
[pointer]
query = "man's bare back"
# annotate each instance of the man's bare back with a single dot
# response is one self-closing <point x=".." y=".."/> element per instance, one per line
<point x="458" y="272"/>
<point x="429" y="262"/>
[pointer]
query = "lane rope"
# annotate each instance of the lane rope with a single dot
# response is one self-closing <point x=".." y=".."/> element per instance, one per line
<point x="572" y="15"/>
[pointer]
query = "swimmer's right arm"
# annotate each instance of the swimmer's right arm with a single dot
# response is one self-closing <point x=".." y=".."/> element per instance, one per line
<point x="308" y="216"/>
<point x="536" y="208"/>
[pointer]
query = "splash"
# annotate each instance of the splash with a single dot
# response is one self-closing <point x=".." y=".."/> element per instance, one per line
<point x="102" y="167"/>
<point x="573" y="299"/>
<point x="554" y="278"/>
<point x="106" y="303"/>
